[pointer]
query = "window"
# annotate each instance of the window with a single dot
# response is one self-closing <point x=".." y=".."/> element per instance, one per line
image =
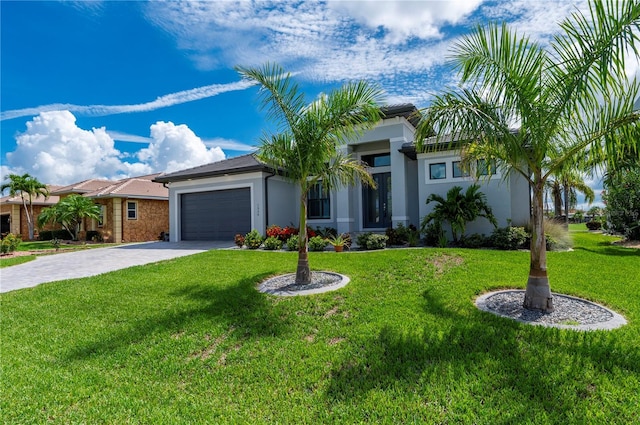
<point x="438" y="171"/>
<point x="486" y="168"/>
<point x="102" y="216"/>
<point x="132" y="210"/>
<point x="318" y="203"/>
<point x="377" y="160"/>
<point x="458" y="171"/>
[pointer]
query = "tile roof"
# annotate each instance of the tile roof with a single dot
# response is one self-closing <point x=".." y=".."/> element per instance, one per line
<point x="84" y="186"/>
<point x="136" y="187"/>
<point x="237" y="165"/>
<point x="133" y="187"/>
<point x="39" y="200"/>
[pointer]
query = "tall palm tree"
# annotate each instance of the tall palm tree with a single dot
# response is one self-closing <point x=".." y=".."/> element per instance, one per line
<point x="69" y="212"/>
<point x="28" y="187"/>
<point x="571" y="98"/>
<point x="306" y="149"/>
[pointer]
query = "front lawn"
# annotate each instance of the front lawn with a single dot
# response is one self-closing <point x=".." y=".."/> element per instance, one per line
<point x="191" y="341"/>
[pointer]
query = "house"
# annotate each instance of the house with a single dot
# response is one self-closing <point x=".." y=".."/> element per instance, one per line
<point x="218" y="200"/>
<point x="13" y="218"/>
<point x="132" y="210"/>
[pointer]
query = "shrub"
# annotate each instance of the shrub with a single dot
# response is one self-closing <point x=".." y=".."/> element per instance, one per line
<point x="557" y="236"/>
<point x="253" y="239"/>
<point x="370" y="240"/>
<point x="272" y="243"/>
<point x="293" y="243"/>
<point x="361" y="239"/>
<point x="326" y="232"/>
<point x="399" y="235"/>
<point x="622" y="199"/>
<point x="434" y="234"/>
<point x="594" y="225"/>
<point x="239" y="240"/>
<point x="94" y="235"/>
<point x="274" y="231"/>
<point x="475" y="240"/>
<point x="413" y="237"/>
<point x="317" y="243"/>
<point x="45" y="235"/>
<point x="10" y="243"/>
<point x="510" y="237"/>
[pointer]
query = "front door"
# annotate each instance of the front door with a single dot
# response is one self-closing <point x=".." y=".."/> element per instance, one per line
<point x="376" y="203"/>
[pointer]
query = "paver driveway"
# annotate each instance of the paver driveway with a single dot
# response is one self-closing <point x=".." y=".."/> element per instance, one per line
<point x="91" y="262"/>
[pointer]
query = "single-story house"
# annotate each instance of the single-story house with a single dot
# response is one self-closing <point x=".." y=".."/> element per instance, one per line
<point x="13" y="218"/>
<point x="134" y="209"/>
<point x="218" y="200"/>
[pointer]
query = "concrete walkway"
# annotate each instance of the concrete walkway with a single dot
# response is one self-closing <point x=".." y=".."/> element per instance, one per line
<point x="91" y="262"/>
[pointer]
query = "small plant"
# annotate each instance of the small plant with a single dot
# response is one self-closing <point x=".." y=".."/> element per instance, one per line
<point x="475" y="240"/>
<point x="361" y="239"/>
<point x="10" y="243"/>
<point x="293" y="243"/>
<point x="56" y="243"/>
<point x="239" y="240"/>
<point x="370" y="240"/>
<point x="253" y="239"/>
<point x="272" y="243"/>
<point x="594" y="225"/>
<point x="340" y="241"/>
<point x="509" y="238"/>
<point x="433" y="234"/>
<point x="326" y="232"/>
<point x="414" y="237"/>
<point x="317" y="243"/>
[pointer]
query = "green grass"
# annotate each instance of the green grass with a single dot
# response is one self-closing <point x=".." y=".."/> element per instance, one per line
<point x="191" y="341"/>
<point x="43" y="248"/>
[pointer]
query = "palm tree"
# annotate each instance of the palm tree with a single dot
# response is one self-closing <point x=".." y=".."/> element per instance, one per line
<point x="567" y="100"/>
<point x="459" y="209"/>
<point x="70" y="212"/>
<point x="28" y="187"/>
<point x="564" y="186"/>
<point x="306" y="150"/>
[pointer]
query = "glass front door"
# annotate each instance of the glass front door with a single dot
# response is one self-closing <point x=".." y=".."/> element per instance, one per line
<point x="376" y="203"/>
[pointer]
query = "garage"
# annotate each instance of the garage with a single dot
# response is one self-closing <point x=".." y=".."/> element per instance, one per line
<point x="215" y="215"/>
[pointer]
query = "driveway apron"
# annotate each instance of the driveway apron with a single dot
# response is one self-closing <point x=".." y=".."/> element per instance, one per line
<point x="91" y="262"/>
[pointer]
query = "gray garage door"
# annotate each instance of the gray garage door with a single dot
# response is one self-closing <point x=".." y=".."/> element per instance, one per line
<point x="216" y="215"/>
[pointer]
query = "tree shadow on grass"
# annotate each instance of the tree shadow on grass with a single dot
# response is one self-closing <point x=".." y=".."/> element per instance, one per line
<point x="237" y="305"/>
<point x="530" y="369"/>
<point x="608" y="249"/>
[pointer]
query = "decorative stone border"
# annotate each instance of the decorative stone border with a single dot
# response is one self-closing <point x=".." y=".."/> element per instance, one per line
<point x="588" y="315"/>
<point x="284" y="285"/>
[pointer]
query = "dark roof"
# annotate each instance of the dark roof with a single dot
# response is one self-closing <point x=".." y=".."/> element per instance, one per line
<point x="406" y="110"/>
<point x="237" y="165"/>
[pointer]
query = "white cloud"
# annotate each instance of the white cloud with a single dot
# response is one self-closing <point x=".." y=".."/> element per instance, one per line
<point x="403" y="20"/>
<point x="176" y="147"/>
<point x="161" y="102"/>
<point x="56" y="151"/>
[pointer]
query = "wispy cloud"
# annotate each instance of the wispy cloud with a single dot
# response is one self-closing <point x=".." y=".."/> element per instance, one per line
<point x="218" y="142"/>
<point x="161" y="102"/>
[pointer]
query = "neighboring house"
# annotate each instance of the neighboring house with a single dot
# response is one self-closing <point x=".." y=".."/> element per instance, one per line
<point x="218" y="200"/>
<point x="133" y="210"/>
<point x="13" y="218"/>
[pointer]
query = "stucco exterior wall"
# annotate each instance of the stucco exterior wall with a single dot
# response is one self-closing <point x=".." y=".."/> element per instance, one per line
<point x="508" y="198"/>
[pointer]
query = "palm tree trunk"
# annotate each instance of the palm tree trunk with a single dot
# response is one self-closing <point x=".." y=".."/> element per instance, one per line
<point x="303" y="274"/>
<point x="567" y="189"/>
<point x="538" y="293"/>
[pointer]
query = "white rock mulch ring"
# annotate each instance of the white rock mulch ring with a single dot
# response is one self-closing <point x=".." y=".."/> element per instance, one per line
<point x="285" y="285"/>
<point x="570" y="312"/>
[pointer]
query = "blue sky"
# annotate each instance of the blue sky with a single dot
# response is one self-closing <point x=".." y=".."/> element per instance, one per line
<point x="114" y="89"/>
